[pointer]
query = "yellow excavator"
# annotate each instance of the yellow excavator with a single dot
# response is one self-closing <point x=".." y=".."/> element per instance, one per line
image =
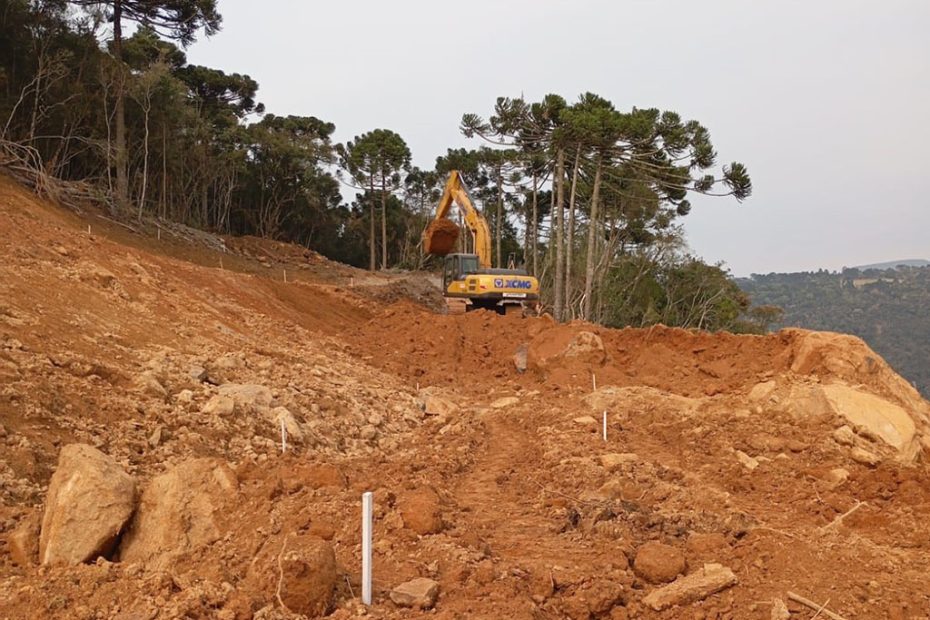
<point x="468" y="281"/>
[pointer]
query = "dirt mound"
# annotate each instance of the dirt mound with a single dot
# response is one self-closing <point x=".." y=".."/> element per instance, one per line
<point x="754" y="464"/>
<point x="440" y="236"/>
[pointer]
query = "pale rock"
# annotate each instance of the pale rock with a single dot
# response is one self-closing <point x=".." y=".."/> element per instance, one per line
<point x="505" y="402"/>
<point x="747" y="461"/>
<point x="779" y="610"/>
<point x="584" y="420"/>
<point x="519" y="358"/>
<point x="864" y="457"/>
<point x="148" y="384"/>
<point x="279" y="414"/>
<point x="180" y="510"/>
<point x="90" y="499"/>
<point x="837" y="476"/>
<point x="247" y="397"/>
<point x="615" y="460"/>
<point x="438" y="406"/>
<point x="219" y="405"/>
<point x="844" y="436"/>
<point x="419" y="593"/>
<point x="184" y="397"/>
<point x="700" y="584"/>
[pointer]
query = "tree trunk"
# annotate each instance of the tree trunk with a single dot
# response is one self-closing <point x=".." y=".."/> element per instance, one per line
<point x="570" y="237"/>
<point x="586" y="304"/>
<point x="122" y="174"/>
<point x="500" y="210"/>
<point x="145" y="157"/>
<point x="384" y="252"/>
<point x="535" y="224"/>
<point x="371" y="234"/>
<point x="559" y="236"/>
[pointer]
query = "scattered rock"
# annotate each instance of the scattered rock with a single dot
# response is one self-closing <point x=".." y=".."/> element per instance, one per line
<point x="584" y="420"/>
<point x="658" y="563"/>
<point x="148" y="384"/>
<point x="503" y="403"/>
<point x="844" y="436"/>
<point x="23" y="541"/>
<point x="219" y="405"/>
<point x="198" y="373"/>
<point x="436" y="405"/>
<point x="864" y="457"/>
<point x="180" y="510"/>
<point x="247" y="397"/>
<point x="836" y="477"/>
<point x="779" y="610"/>
<point x="283" y="414"/>
<point x="90" y="499"/>
<point x="616" y="460"/>
<point x="747" y="461"/>
<point x="710" y="579"/>
<point x="519" y="358"/>
<point x="307" y="574"/>
<point x="421" y="511"/>
<point x="156" y="437"/>
<point x="419" y="593"/>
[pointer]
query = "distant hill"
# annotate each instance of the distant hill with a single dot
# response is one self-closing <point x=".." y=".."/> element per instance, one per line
<point x="894" y="264"/>
<point x="888" y="308"/>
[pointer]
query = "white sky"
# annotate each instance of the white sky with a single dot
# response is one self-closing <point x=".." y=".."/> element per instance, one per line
<point x="825" y="101"/>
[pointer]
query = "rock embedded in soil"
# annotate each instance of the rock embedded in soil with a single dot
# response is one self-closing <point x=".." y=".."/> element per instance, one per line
<point x="23" y="541"/>
<point x="658" y="563"/>
<point x="421" y="511"/>
<point x="505" y="402"/>
<point x="90" y="499"/>
<point x="306" y="567"/>
<point x="219" y="405"/>
<point x="419" y="593"/>
<point x="180" y="510"/>
<point x="247" y="397"/>
<point x="708" y="580"/>
<point x="436" y="405"/>
<point x="864" y="457"/>
<point x="615" y="460"/>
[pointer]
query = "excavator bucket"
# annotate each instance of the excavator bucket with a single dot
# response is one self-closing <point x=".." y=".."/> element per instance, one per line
<point x="440" y="236"/>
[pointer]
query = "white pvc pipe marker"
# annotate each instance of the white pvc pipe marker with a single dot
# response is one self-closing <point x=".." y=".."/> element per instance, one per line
<point x="367" y="502"/>
<point x="605" y="426"/>
<point x="283" y="436"/>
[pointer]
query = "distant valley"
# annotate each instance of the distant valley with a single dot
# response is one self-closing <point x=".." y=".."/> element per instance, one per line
<point x="885" y="305"/>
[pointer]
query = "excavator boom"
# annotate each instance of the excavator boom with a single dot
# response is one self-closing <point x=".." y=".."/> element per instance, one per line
<point x="440" y="236"/>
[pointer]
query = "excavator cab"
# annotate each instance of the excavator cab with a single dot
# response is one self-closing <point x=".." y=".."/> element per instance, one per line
<point x="457" y="266"/>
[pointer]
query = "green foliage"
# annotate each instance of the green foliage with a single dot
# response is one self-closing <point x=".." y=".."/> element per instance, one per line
<point x="886" y="308"/>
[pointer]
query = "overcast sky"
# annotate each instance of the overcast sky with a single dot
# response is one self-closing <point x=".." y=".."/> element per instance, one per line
<point x="825" y="101"/>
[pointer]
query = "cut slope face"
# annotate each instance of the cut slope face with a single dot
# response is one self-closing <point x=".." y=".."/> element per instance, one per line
<point x="771" y="459"/>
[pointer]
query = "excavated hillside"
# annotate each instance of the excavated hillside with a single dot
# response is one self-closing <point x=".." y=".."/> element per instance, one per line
<point x="145" y="378"/>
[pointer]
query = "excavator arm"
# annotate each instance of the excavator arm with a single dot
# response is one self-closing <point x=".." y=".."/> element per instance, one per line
<point x="440" y="236"/>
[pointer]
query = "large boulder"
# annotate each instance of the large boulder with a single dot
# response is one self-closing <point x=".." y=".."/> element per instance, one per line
<point x="247" y="397"/>
<point x="421" y="511"/>
<point x="90" y="499"/>
<point x="180" y="510"/>
<point x="565" y="347"/>
<point x="306" y="568"/>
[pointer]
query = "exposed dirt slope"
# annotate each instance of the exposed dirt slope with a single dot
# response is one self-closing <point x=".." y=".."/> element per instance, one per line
<point x="496" y="483"/>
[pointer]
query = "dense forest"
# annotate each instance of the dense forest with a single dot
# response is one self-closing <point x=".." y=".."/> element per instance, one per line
<point x="98" y="104"/>
<point x="888" y="308"/>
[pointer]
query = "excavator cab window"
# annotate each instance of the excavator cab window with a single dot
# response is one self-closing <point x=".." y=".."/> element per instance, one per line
<point x="457" y="266"/>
